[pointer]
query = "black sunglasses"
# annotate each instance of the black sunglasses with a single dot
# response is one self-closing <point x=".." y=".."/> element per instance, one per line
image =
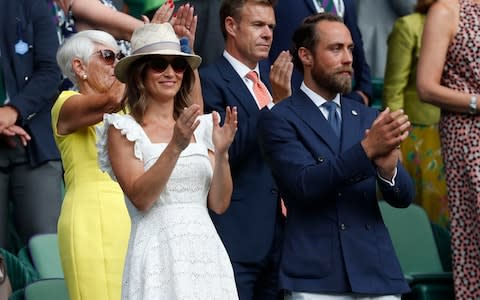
<point x="179" y="65"/>
<point x="109" y="56"/>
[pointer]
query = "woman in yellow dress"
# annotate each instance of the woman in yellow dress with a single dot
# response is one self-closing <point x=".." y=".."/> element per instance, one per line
<point x="94" y="225"/>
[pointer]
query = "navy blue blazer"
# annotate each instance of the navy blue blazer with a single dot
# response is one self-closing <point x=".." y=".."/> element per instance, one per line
<point x="31" y="79"/>
<point x="335" y="239"/>
<point x="247" y="227"/>
<point x="290" y="14"/>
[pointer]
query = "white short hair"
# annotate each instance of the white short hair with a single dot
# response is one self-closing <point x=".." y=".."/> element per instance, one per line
<point x="81" y="45"/>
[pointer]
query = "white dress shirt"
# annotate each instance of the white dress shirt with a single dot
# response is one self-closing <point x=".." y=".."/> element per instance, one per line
<point x="319" y="100"/>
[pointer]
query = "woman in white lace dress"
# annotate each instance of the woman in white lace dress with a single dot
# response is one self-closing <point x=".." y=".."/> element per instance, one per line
<point x="171" y="163"/>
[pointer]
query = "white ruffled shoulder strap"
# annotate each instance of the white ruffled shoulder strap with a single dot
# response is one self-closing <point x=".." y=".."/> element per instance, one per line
<point x="128" y="127"/>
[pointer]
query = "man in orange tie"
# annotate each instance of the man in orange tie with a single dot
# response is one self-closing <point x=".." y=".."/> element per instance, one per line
<point x="252" y="227"/>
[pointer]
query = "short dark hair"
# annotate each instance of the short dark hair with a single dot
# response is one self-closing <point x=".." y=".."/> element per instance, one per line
<point x="232" y="8"/>
<point x="135" y="92"/>
<point x="307" y="36"/>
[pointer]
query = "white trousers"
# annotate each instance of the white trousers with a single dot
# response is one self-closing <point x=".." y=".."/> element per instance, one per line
<point x="311" y="296"/>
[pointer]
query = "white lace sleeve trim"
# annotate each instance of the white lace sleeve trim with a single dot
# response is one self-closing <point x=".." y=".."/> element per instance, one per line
<point x="204" y="132"/>
<point x="128" y="127"/>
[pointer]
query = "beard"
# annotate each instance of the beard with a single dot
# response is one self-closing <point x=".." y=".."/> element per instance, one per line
<point x="333" y="81"/>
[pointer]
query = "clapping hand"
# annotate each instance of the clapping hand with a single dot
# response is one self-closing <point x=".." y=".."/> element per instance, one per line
<point x="185" y="125"/>
<point x="382" y="140"/>
<point x="223" y="136"/>
<point x="281" y="76"/>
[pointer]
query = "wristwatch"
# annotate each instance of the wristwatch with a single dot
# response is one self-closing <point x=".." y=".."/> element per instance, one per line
<point x="472" y="107"/>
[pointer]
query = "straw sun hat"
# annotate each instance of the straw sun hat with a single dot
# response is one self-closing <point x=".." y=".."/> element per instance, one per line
<point x="153" y="39"/>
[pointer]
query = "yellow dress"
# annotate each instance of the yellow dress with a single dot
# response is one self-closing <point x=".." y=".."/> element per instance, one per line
<point x="94" y="226"/>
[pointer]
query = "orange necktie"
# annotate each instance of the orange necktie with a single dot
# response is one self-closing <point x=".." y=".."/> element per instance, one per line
<point x="259" y="89"/>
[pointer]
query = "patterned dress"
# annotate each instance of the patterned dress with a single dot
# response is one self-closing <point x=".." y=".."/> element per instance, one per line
<point x="460" y="136"/>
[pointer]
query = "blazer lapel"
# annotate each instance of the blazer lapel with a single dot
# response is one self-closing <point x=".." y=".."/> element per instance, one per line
<point x="237" y="86"/>
<point x="351" y="125"/>
<point x="311" y="114"/>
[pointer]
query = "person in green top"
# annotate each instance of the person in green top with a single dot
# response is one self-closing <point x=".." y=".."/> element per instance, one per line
<point x="421" y="150"/>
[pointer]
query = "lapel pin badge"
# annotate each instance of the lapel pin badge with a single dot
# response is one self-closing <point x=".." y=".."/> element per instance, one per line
<point x="21" y="47"/>
<point x="354" y="112"/>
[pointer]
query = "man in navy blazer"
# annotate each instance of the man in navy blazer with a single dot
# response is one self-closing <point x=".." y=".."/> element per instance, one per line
<point x="30" y="170"/>
<point x="252" y="226"/>
<point x="335" y="242"/>
<point x="290" y="14"/>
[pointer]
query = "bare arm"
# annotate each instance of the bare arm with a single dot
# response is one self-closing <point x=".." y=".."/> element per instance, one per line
<point x="82" y="110"/>
<point x="143" y="187"/>
<point x="221" y="188"/>
<point x="92" y="14"/>
<point x="440" y="27"/>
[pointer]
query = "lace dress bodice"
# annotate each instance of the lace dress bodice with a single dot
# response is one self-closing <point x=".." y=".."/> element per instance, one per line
<point x="174" y="250"/>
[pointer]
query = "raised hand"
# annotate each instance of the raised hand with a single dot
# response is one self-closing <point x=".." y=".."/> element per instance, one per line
<point x="185" y="126"/>
<point x="115" y="93"/>
<point x="281" y="76"/>
<point x="223" y="136"/>
<point x="185" y="23"/>
<point x="163" y="13"/>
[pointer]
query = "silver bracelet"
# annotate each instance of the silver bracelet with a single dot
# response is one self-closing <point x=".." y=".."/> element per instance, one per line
<point x="472" y="107"/>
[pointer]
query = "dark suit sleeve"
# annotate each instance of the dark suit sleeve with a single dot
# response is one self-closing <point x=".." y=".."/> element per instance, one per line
<point x="44" y="76"/>
<point x="217" y="98"/>
<point x="301" y="174"/>
<point x="402" y="193"/>
<point x="362" y="73"/>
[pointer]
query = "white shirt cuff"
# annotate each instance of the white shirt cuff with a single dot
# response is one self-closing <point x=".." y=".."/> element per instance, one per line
<point x="392" y="182"/>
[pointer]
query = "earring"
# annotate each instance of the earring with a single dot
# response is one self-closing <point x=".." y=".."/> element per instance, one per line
<point x="84" y="76"/>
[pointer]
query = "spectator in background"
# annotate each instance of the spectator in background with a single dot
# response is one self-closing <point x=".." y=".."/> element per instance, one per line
<point x="94" y="225"/>
<point x="251" y="228"/>
<point x="30" y="168"/>
<point x="328" y="154"/>
<point x="375" y="20"/>
<point x="448" y="76"/>
<point x="421" y="152"/>
<point x="290" y="14"/>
